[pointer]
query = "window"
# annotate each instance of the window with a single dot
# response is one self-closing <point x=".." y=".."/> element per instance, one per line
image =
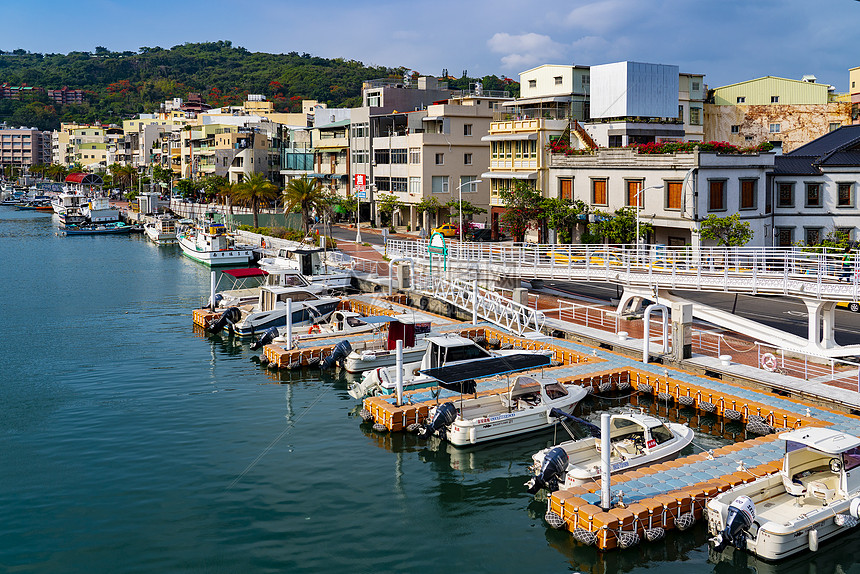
<point x="467" y="186"/>
<point x="415" y="185"/>
<point x="695" y="86"/>
<point x="557" y="80"/>
<point x="736" y="129"/>
<point x="749" y="138"/>
<point x="741" y="99"/>
<point x="673" y="194"/>
<point x="398" y="155"/>
<point x="440" y="159"/>
<point x="360" y="130"/>
<point x="382" y="183"/>
<point x="565" y="188"/>
<point x="774" y="99"/>
<point x="843" y="195"/>
<point x="784" y="236"/>
<point x="813" y="235"/>
<point x="615" y="141"/>
<point x="717" y="195"/>
<point x="785" y="195"/>
<point x="634" y="192"/>
<point x="381" y="156"/>
<point x="467" y="129"/>
<point x="834" y="126"/>
<point x="774" y="128"/>
<point x="846" y="232"/>
<point x="532" y="83"/>
<point x="467" y="159"/>
<point x="415" y="155"/>
<point x="586" y="79"/>
<point x="360" y="156"/>
<point x="748" y="193"/>
<point x="681" y="112"/>
<point x="373" y="100"/>
<point x="813" y="195"/>
<point x="598" y="191"/>
<point x="440" y="184"/>
<point x="696" y="116"/>
<point x="398" y="184"/>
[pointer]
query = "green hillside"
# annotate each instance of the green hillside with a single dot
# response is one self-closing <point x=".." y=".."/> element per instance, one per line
<point x="120" y="85"/>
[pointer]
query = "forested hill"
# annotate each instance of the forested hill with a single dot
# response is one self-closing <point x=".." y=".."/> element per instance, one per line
<point x="119" y="85"/>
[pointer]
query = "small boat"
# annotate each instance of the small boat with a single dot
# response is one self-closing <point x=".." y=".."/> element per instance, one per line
<point x="815" y="497"/>
<point x="529" y="404"/>
<point x="246" y="284"/>
<point x="212" y="246"/>
<point x="440" y="351"/>
<point x="636" y="440"/>
<point x="161" y="230"/>
<point x="400" y="327"/>
<point x="36" y="205"/>
<point x="98" y="210"/>
<point x="311" y="263"/>
<point x="271" y="311"/>
<point x="340" y="323"/>
<point x="98" y="229"/>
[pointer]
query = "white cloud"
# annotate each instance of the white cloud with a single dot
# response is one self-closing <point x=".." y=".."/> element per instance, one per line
<point x="521" y="51"/>
<point x="609" y="15"/>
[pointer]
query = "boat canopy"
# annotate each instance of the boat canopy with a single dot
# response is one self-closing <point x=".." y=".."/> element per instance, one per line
<point x="482" y="368"/>
<point x="244" y="273"/>
<point x="85" y="178"/>
<point x="828" y="441"/>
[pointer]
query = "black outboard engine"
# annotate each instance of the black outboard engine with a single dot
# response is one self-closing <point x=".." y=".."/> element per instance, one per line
<point x="265" y="339"/>
<point x="339" y="353"/>
<point x="739" y="518"/>
<point x="218" y="299"/>
<point x="445" y="414"/>
<point x="228" y="317"/>
<point x="554" y="465"/>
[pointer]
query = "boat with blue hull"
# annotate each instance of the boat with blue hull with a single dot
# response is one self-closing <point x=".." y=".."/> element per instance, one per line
<point x="99" y="229"/>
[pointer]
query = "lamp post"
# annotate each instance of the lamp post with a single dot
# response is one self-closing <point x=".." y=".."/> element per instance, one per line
<point x="460" y="209"/>
<point x="358" y="212"/>
<point x="638" y="206"/>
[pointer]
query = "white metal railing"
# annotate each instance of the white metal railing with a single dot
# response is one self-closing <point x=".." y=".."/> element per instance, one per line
<point x="354" y="263"/>
<point x="818" y="273"/>
<point x="587" y="315"/>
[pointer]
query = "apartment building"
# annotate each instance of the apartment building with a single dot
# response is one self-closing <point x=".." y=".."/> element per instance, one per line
<point x="854" y="93"/>
<point x="330" y="145"/>
<point x="787" y="113"/>
<point x="23" y="147"/>
<point x="66" y="95"/>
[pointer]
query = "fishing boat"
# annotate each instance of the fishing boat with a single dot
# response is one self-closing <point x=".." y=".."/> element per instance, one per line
<point x="271" y="311"/>
<point x="529" y="404"/>
<point x="440" y="351"/>
<point x="413" y="333"/>
<point x="99" y="210"/>
<point x="161" y="230"/>
<point x="116" y="228"/>
<point x="312" y="263"/>
<point x="814" y="498"/>
<point x="636" y="440"/>
<point x="36" y="205"/>
<point x="212" y="246"/>
<point x="68" y="207"/>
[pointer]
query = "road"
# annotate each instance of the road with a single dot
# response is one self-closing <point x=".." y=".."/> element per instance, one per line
<point x="783" y="313"/>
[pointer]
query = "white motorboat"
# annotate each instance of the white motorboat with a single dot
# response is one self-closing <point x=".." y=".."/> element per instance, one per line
<point x="636" y="440"/>
<point x="815" y="497"/>
<point x="440" y="351"/>
<point x="68" y="207"/>
<point x="212" y="246"/>
<point x="247" y="282"/>
<point x="161" y="230"/>
<point x="98" y="210"/>
<point x="271" y="311"/>
<point x="400" y="327"/>
<point x="340" y="323"/>
<point x="311" y="263"/>
<point x="530" y="404"/>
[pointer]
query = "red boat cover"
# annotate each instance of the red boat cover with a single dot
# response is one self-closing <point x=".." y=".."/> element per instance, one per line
<point x="243" y="273"/>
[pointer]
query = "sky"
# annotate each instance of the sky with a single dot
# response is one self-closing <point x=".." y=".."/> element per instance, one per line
<point x="728" y="40"/>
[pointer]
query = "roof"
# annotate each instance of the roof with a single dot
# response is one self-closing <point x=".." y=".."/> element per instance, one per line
<point x="242" y="273"/>
<point x="337" y="124"/>
<point x="799" y="165"/>
<point x="451" y="341"/>
<point x="84" y="178"/>
<point x="510" y="175"/>
<point x="826" y="440"/>
<point x="839" y="139"/>
<point x="480" y="368"/>
<point x="771" y="78"/>
<point x="841" y="147"/>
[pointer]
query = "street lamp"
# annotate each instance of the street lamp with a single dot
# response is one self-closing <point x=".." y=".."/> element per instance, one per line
<point x="638" y="207"/>
<point x="460" y="209"/>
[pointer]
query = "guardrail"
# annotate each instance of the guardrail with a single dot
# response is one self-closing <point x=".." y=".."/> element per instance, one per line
<point x="804" y="272"/>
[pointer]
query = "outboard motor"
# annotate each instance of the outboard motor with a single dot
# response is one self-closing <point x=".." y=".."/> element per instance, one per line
<point x="230" y="316"/>
<point x="739" y="518"/>
<point x="339" y="353"/>
<point x="445" y="414"/>
<point x="265" y="339"/>
<point x="218" y="298"/>
<point x="554" y="465"/>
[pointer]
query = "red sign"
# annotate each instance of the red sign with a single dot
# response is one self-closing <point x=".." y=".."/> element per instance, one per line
<point x="652" y="443"/>
<point x="360" y="180"/>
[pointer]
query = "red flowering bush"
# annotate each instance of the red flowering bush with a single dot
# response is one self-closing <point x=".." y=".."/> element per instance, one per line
<point x="689" y="147"/>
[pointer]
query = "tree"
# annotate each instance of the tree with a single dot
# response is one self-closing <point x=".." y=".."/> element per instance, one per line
<point x="430" y="204"/>
<point x="386" y="205"/>
<point x="185" y="187"/>
<point x="305" y="194"/>
<point x="254" y="191"/>
<point x="563" y="215"/>
<point x="162" y="176"/>
<point x="214" y="185"/>
<point x="523" y="208"/>
<point x="616" y="228"/>
<point x="727" y="231"/>
<point x="469" y="210"/>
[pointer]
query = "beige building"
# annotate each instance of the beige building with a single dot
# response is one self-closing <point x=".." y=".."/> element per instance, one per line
<point x="788" y="113"/>
<point x="854" y="93"/>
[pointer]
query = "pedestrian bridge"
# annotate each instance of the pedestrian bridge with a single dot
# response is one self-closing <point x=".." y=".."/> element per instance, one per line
<point x="819" y="276"/>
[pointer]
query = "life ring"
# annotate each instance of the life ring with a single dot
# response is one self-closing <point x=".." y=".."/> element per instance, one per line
<point x="314" y="329"/>
<point x="768" y="362"/>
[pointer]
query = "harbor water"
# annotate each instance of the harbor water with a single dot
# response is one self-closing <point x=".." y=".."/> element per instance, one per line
<point x="131" y="443"/>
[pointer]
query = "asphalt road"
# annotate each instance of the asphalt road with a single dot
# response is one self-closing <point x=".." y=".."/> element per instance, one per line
<point x="342" y="233"/>
<point x="783" y="313"/>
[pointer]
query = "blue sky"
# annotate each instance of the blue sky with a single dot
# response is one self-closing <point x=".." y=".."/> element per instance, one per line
<point x="728" y="41"/>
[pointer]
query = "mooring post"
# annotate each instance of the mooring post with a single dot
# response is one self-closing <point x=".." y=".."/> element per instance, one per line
<point x="289" y="304"/>
<point x="212" y="289"/>
<point x="475" y="302"/>
<point x="604" y="461"/>
<point x="399" y="372"/>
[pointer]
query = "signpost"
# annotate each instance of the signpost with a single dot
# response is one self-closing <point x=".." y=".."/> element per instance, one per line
<point x="360" y="184"/>
<point x="437" y="246"/>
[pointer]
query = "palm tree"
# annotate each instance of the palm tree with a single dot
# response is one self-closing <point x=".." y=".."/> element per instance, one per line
<point x="254" y="191"/>
<point x="305" y="194"/>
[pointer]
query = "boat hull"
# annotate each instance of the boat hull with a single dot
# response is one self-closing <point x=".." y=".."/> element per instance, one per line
<point x="259" y="322"/>
<point x="358" y="363"/>
<point x="215" y="258"/>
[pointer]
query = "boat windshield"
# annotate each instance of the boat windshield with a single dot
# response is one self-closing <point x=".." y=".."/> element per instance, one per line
<point x="555" y="391"/>
<point x="661" y="434"/>
<point x="465" y="353"/>
<point x="355" y="322"/>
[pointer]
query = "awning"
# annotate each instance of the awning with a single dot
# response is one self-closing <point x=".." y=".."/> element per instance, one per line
<point x="244" y="273"/>
<point x="335" y="176"/>
<point x="508" y="137"/>
<point x="84" y="178"/>
<point x="331" y="146"/>
<point x="510" y="175"/>
<point x="316" y="175"/>
<point x="431" y="119"/>
<point x="482" y="368"/>
<point x="543" y="100"/>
